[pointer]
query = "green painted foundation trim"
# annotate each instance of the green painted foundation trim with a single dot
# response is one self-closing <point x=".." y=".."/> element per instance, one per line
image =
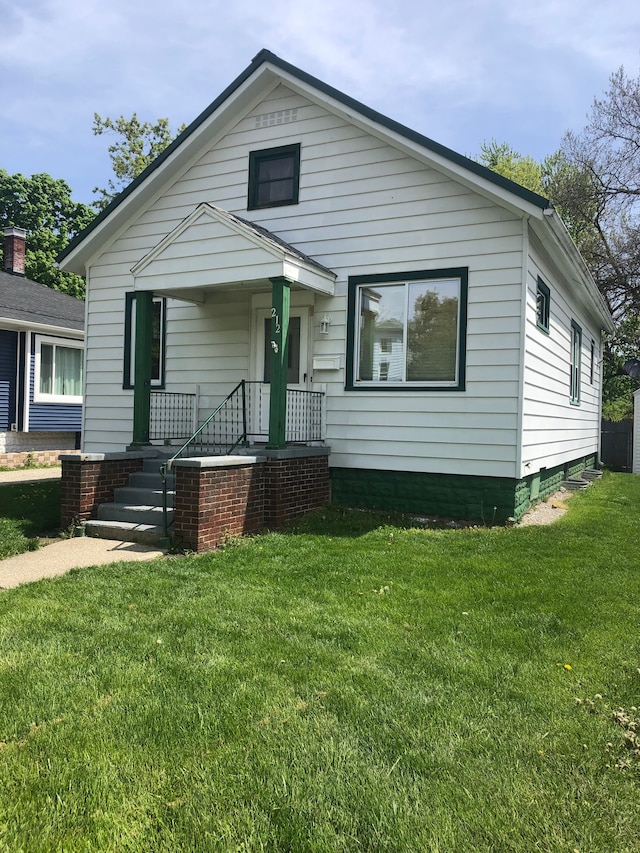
<point x="481" y="500"/>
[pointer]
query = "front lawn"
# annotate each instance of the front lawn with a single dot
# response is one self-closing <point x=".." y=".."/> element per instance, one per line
<point x="346" y="686"/>
<point x="27" y="511"/>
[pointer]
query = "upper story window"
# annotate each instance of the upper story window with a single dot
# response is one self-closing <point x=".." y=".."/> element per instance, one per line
<point x="58" y="371"/>
<point x="407" y="330"/>
<point x="543" y="302"/>
<point x="274" y="177"/>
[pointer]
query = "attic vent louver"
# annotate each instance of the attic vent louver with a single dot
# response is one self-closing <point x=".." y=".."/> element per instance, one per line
<point x="278" y="117"/>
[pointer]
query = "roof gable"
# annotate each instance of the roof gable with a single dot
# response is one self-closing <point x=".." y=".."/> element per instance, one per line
<point x="264" y="73"/>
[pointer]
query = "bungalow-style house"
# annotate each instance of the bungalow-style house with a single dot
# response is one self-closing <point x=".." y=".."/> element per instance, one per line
<point x="41" y="363"/>
<point x="345" y="290"/>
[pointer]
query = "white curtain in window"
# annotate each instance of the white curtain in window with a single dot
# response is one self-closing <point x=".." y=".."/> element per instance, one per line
<point x="68" y="372"/>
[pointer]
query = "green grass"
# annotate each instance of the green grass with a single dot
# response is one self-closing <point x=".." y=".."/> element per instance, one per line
<point x="27" y="512"/>
<point x="346" y="686"/>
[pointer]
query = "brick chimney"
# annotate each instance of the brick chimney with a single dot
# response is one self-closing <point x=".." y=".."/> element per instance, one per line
<point x="14" y="246"/>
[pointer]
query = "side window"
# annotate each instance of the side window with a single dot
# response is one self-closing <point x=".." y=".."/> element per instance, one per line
<point x="543" y="302"/>
<point x="157" y="345"/>
<point x="576" y="355"/>
<point x="58" y="371"/>
<point x="274" y="177"/>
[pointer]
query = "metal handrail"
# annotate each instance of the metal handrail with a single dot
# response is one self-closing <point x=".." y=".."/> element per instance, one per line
<point x="168" y="465"/>
<point x="309" y="430"/>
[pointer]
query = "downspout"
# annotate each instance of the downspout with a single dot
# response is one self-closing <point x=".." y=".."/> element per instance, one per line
<point x="26" y="388"/>
<point x="600" y="393"/>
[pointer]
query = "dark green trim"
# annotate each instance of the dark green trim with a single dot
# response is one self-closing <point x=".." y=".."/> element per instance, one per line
<point x="355" y="281"/>
<point x="159" y="381"/>
<point x="280" y="310"/>
<point x="265" y="56"/>
<point x="542" y="322"/>
<point x="575" y="378"/>
<point x="256" y="158"/>
<point x="481" y="500"/>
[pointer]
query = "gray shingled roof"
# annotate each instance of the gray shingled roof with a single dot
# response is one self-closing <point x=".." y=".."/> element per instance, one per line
<point x="23" y="300"/>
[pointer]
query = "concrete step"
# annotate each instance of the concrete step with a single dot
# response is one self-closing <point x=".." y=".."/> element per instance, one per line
<point x="134" y="513"/>
<point x="591" y="474"/>
<point x="146" y="496"/>
<point x="575" y="483"/>
<point x="152" y="466"/>
<point x="150" y="480"/>
<point x="145" y="534"/>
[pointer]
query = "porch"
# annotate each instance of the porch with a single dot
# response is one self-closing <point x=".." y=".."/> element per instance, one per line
<point x="260" y="439"/>
<point x="240" y="420"/>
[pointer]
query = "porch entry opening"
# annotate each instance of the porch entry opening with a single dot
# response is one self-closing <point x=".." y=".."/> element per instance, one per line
<point x="297" y="362"/>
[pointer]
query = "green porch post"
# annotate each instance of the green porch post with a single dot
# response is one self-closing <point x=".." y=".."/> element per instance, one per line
<point x="280" y="302"/>
<point x="142" y="367"/>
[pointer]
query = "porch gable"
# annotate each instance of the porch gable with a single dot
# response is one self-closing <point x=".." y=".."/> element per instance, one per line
<point x="214" y="249"/>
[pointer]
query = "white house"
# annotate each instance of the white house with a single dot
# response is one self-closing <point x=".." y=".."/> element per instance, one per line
<point x="442" y="311"/>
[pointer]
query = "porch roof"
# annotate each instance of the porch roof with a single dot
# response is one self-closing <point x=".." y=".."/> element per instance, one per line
<point x="213" y="249"/>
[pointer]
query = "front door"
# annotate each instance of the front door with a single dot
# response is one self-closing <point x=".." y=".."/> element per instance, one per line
<point x="297" y="361"/>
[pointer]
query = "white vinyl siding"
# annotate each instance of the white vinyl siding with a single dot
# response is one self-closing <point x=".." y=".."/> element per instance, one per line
<point x="364" y="208"/>
<point x="554" y="430"/>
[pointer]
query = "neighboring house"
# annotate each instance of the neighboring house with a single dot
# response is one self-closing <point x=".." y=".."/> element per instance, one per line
<point x="442" y="310"/>
<point x="41" y="361"/>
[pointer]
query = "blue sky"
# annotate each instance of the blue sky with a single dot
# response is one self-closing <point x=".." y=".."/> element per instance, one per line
<point x="458" y="71"/>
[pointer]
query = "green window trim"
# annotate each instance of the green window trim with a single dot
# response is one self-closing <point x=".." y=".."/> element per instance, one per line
<point x="576" y="360"/>
<point x="362" y="287"/>
<point x="274" y="177"/>
<point x="543" y="304"/>
<point x="159" y="342"/>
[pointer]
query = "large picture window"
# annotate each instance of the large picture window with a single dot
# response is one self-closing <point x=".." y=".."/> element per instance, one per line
<point x="408" y="330"/>
<point x="58" y="371"/>
<point x="157" y="341"/>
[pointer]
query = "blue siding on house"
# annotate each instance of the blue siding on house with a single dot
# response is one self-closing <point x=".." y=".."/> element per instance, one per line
<point x="51" y="417"/>
<point x="8" y="366"/>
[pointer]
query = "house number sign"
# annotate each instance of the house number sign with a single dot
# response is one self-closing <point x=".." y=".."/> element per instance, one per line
<point x="276" y="328"/>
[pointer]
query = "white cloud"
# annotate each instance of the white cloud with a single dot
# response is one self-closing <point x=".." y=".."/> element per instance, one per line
<point x="461" y="69"/>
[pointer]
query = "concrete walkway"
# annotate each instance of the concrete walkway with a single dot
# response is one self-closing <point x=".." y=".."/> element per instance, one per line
<point x="29" y="475"/>
<point x="64" y="554"/>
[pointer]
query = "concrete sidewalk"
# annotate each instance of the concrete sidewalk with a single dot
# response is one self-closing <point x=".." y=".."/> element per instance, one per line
<point x="29" y="475"/>
<point x="64" y="554"/>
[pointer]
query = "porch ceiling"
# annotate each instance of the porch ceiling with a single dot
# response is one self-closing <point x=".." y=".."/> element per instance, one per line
<point x="214" y="250"/>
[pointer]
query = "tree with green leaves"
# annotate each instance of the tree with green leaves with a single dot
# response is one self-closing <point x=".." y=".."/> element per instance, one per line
<point x="43" y="206"/>
<point x="137" y="145"/>
<point x="500" y="157"/>
<point x="593" y="180"/>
